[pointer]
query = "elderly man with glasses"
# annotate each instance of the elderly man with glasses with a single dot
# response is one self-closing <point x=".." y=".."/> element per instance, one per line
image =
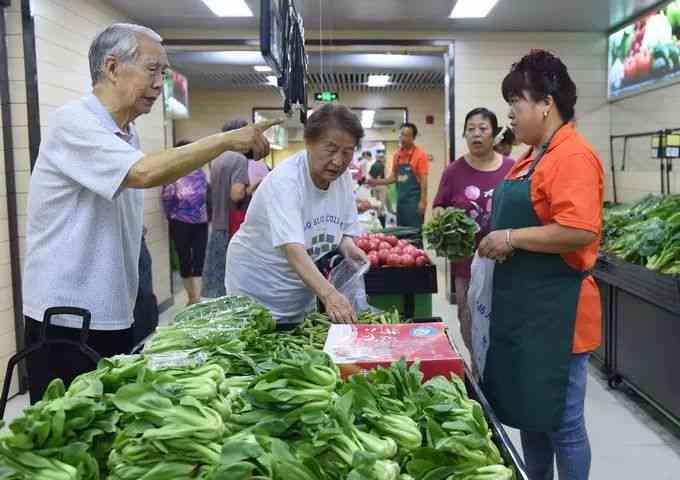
<point x="86" y="201"/>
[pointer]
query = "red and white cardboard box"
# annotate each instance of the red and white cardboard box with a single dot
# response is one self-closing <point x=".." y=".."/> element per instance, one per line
<point x="358" y="348"/>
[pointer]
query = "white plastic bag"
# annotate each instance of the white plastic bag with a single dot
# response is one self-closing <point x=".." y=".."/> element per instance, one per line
<point x="348" y="279"/>
<point x="479" y="301"/>
<point x="369" y="221"/>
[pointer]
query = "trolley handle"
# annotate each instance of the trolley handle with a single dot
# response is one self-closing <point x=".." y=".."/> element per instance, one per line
<point x="76" y="311"/>
<point x="82" y="345"/>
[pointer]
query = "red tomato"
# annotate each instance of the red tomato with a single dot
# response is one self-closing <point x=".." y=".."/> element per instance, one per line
<point x="394" y="260"/>
<point x="384" y="246"/>
<point x="411" y="250"/>
<point x="383" y="255"/>
<point x="373" y="245"/>
<point x="392" y="240"/>
<point x="375" y="261"/>
<point x="421" y="261"/>
<point x="396" y="250"/>
<point x="402" y="243"/>
<point x="408" y="260"/>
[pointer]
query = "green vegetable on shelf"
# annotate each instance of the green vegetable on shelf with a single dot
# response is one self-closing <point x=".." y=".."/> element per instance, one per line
<point x="646" y="233"/>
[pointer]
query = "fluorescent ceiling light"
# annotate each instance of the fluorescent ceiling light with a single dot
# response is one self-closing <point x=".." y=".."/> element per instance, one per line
<point x="378" y="80"/>
<point x="262" y="68"/>
<point x="229" y="8"/>
<point x="367" y="117"/>
<point x="272" y="80"/>
<point x="472" y="8"/>
<point x="234" y="57"/>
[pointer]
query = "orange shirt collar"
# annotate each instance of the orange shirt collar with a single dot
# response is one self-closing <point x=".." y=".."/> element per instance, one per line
<point x="563" y="134"/>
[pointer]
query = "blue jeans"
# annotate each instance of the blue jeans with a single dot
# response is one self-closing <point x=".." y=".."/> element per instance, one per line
<point x="570" y="444"/>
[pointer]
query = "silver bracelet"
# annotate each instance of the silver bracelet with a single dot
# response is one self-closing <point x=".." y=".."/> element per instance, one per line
<point x="508" y="239"/>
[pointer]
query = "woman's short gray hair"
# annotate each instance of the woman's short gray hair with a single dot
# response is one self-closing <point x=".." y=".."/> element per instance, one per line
<point x="118" y="40"/>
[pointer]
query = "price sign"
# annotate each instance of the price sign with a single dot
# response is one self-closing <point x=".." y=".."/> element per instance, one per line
<point x="672" y="146"/>
<point x="657" y="150"/>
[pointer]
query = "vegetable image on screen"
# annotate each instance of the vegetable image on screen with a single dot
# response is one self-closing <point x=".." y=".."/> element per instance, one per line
<point x="451" y="234"/>
<point x="646" y="53"/>
<point x="176" y="95"/>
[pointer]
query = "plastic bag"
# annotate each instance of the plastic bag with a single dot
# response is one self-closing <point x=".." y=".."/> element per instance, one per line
<point x="348" y="279"/>
<point x="479" y="302"/>
<point x="369" y="221"/>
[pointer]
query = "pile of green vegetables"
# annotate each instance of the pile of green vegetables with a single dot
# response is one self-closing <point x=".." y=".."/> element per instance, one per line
<point x="380" y="318"/>
<point x="451" y="234"/>
<point x="248" y="404"/>
<point x="646" y="233"/>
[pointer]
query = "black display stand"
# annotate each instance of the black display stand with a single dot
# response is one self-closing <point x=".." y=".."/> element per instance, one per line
<point x="405" y="281"/>
<point x="642" y="331"/>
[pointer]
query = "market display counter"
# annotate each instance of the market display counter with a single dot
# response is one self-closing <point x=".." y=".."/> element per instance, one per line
<point x="196" y="342"/>
<point x="500" y="437"/>
<point x="414" y="286"/>
<point x="357" y="349"/>
<point x="603" y="354"/>
<point x="642" y="331"/>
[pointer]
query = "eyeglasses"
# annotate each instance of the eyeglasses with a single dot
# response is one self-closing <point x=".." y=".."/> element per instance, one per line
<point x="154" y="70"/>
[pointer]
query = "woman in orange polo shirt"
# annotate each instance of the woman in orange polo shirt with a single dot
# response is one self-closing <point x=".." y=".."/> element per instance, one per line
<point x="546" y="225"/>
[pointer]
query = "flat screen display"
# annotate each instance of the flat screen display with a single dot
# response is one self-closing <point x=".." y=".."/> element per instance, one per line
<point x="176" y="95"/>
<point x="645" y="54"/>
<point x="273" y="14"/>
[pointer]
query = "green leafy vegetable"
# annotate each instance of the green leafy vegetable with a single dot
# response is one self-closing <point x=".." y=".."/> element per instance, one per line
<point x="451" y="234"/>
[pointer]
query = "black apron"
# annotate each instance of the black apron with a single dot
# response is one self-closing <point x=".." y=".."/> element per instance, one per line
<point x="534" y="302"/>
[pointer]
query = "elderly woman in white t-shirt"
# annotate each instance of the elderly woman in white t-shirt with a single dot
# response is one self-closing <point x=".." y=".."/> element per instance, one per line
<point x="302" y="210"/>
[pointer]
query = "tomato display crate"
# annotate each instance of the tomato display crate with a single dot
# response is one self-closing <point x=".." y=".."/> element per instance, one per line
<point x="401" y="280"/>
<point x="359" y="348"/>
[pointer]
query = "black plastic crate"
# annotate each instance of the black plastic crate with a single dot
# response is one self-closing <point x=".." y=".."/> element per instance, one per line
<point x="401" y="280"/>
<point x="602" y="353"/>
<point x="656" y="288"/>
<point x="424" y="320"/>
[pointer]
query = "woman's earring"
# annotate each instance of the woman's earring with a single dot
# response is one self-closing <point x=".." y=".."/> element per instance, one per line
<point x="545" y="114"/>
